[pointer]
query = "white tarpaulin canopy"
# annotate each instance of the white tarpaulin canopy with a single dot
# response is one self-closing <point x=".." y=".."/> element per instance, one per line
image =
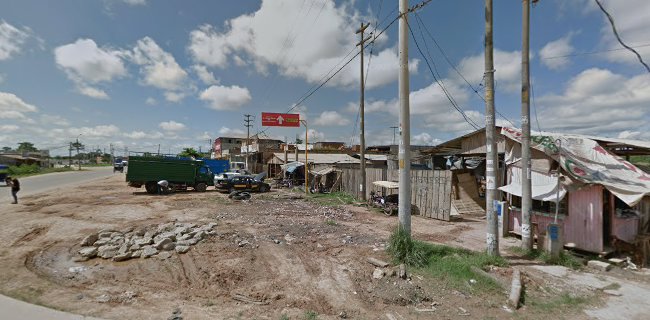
<point x="544" y="187"/>
<point x="586" y="161"/>
<point x="387" y="184"/>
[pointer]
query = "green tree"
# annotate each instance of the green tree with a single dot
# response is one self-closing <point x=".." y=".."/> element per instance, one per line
<point x="299" y="141"/>
<point x="190" y="152"/>
<point x="26" y="147"/>
<point x="6" y="149"/>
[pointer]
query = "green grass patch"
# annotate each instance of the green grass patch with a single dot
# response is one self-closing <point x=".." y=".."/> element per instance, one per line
<point x="284" y="317"/>
<point x="330" y="222"/>
<point x="311" y="315"/>
<point x="331" y="199"/>
<point x="450" y="265"/>
<point x="566" y="259"/>
<point x="32" y="170"/>
<point x="643" y="160"/>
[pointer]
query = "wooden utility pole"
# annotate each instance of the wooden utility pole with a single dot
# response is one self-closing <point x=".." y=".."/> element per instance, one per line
<point x="404" y="157"/>
<point x="362" y="139"/>
<point x="491" y="163"/>
<point x="526" y="187"/>
<point x="248" y="126"/>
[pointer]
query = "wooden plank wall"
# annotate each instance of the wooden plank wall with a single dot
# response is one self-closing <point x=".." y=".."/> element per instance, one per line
<point x="430" y="189"/>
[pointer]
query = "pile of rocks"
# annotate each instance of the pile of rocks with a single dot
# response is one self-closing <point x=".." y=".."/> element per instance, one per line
<point x="144" y="242"/>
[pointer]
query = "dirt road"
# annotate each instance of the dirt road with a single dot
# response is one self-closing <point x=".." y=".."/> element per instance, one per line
<point x="274" y="256"/>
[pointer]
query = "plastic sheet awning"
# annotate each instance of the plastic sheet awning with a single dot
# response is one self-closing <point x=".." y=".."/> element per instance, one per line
<point x="544" y="187"/>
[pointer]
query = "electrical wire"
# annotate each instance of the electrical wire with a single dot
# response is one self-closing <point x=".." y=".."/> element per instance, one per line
<point x="611" y="22"/>
<point x="444" y="90"/>
<point x="594" y="52"/>
<point x="420" y="22"/>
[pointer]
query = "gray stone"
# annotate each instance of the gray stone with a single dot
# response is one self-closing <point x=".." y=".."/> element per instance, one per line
<point x="194" y="241"/>
<point x="599" y="265"/>
<point x="167" y="235"/>
<point x="150" y="234"/>
<point x="378" y="273"/>
<point x="182" y="249"/>
<point x="402" y="271"/>
<point x="185" y="237"/>
<point x="148" y="251"/>
<point x="123" y="249"/>
<point x="103" y="298"/>
<point x="613" y="293"/>
<point x="166" y="227"/>
<point x="200" y="235"/>
<point x="136" y="254"/>
<point x="117" y="234"/>
<point x="243" y="243"/>
<point x="89" y="240"/>
<point x="140" y="232"/>
<point x="107" y="251"/>
<point x="185" y="242"/>
<point x="158" y="245"/>
<point x="101" y="242"/>
<point x="211" y="225"/>
<point x="143" y="242"/>
<point x="169" y="246"/>
<point x="88" y="252"/>
<point x="164" y="255"/>
<point x="181" y="230"/>
<point x="135" y="247"/>
<point x="106" y="234"/>
<point x="122" y="257"/>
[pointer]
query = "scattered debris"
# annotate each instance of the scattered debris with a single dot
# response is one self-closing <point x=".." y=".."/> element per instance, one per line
<point x="176" y="315"/>
<point x="77" y="269"/>
<point x="463" y="312"/>
<point x="378" y="273"/>
<point x="377" y="262"/>
<point x="247" y="299"/>
<point x="515" y="290"/>
<point x="402" y="271"/>
<point x="613" y="293"/>
<point x="599" y="265"/>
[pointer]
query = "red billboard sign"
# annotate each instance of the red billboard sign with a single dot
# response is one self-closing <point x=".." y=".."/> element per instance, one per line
<point x="280" y="119"/>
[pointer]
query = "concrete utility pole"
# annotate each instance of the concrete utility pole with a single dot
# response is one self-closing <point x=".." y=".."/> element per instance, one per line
<point x="70" y="156"/>
<point x="526" y="187"/>
<point x="248" y="126"/>
<point x="79" y="158"/>
<point x="362" y="139"/>
<point x="404" y="157"/>
<point x="491" y="163"/>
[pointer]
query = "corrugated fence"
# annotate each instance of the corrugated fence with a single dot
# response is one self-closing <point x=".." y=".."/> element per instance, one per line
<point x="430" y="189"/>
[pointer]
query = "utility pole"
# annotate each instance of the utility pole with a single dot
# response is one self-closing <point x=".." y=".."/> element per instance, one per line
<point x="248" y="126"/>
<point x="394" y="130"/>
<point x="491" y="163"/>
<point x="159" y="149"/>
<point x="362" y="140"/>
<point x="78" y="157"/>
<point x="70" y="156"/>
<point x="526" y="188"/>
<point x="404" y="209"/>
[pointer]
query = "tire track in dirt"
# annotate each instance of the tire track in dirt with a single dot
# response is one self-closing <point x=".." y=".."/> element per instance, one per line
<point x="31" y="235"/>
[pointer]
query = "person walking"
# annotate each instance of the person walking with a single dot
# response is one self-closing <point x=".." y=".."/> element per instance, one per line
<point x="15" y="187"/>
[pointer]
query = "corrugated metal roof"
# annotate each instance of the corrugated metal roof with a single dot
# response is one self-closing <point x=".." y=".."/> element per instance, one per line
<point x="316" y="158"/>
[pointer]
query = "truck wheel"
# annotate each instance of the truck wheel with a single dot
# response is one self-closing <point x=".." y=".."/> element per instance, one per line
<point x="201" y="187"/>
<point x="151" y="187"/>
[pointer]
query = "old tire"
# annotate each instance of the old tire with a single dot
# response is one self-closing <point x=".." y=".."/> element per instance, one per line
<point x="264" y="189"/>
<point x="201" y="187"/>
<point x="151" y="187"/>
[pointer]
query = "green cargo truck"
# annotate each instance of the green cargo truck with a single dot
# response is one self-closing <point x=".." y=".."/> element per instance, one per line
<point x="181" y="174"/>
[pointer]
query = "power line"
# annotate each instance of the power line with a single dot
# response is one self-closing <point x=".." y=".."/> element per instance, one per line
<point x="453" y="66"/>
<point x="611" y="22"/>
<point x="594" y="52"/>
<point x="444" y="90"/>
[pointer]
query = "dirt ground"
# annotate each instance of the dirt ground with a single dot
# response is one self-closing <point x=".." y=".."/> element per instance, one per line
<point x="284" y="255"/>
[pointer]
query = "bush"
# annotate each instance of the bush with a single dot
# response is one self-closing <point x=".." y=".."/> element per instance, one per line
<point x="24" y="169"/>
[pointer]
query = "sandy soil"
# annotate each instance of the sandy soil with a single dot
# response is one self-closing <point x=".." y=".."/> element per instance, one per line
<point x="295" y="259"/>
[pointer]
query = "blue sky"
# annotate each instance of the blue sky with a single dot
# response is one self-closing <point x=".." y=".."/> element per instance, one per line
<point x="139" y="73"/>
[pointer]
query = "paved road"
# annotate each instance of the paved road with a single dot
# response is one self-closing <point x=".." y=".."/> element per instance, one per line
<point x="37" y="184"/>
<point x="18" y="310"/>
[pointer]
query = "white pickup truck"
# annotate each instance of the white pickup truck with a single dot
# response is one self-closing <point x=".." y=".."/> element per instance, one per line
<point x="229" y="174"/>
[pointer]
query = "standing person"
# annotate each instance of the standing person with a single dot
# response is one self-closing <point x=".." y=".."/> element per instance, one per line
<point x="15" y="187"/>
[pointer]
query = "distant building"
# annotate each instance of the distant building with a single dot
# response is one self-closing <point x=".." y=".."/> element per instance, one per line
<point x="223" y="146"/>
<point x="329" y="145"/>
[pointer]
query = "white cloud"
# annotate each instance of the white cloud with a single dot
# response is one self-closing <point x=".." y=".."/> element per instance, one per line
<point x="204" y="74"/>
<point x="92" y="92"/>
<point x="9" y="128"/>
<point x="11" y="39"/>
<point x="598" y="101"/>
<point x="158" y="68"/>
<point x="100" y="131"/>
<point x="507" y="65"/>
<point x="315" y="136"/>
<point x="174" y="96"/>
<point x="140" y="135"/>
<point x="424" y="139"/>
<point x="228" y="132"/>
<point x="135" y="2"/>
<point x="13" y="107"/>
<point x="171" y="126"/>
<point x="56" y="120"/>
<point x="276" y="35"/>
<point x="150" y="101"/>
<point x="331" y="118"/>
<point x="85" y="63"/>
<point x="553" y="54"/>
<point x="226" y="98"/>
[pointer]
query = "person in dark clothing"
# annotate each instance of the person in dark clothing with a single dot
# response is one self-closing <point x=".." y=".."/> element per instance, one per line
<point x="15" y="187"/>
